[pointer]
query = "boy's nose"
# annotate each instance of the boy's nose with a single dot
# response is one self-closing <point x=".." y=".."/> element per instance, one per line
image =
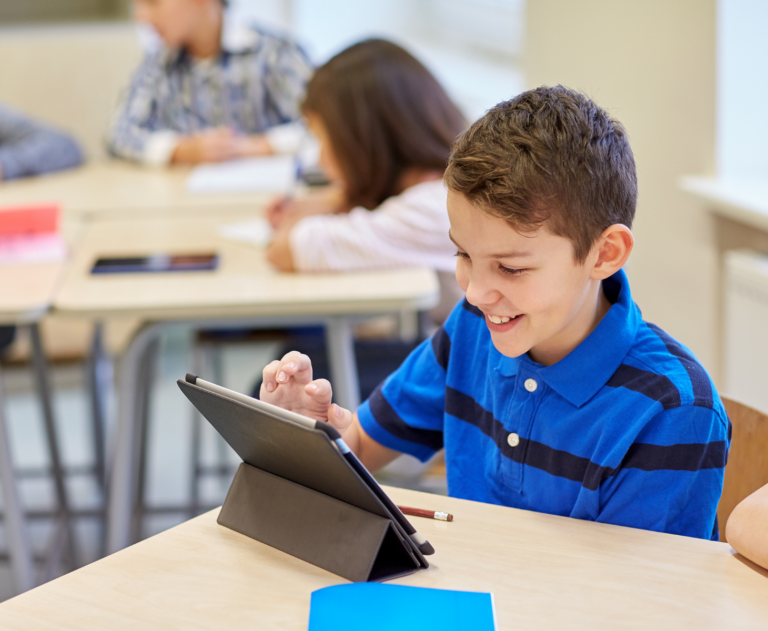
<point x="480" y="293"/>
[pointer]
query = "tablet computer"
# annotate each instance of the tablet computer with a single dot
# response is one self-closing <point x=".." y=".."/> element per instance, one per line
<point x="189" y="262"/>
<point x="297" y="448"/>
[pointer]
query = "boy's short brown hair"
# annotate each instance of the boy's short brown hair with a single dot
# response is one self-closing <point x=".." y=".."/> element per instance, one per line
<point x="549" y="154"/>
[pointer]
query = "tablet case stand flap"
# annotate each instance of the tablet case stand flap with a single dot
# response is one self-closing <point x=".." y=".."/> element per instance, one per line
<point x="331" y="534"/>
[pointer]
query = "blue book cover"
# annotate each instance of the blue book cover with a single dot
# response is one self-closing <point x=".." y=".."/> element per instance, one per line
<point x="380" y="607"/>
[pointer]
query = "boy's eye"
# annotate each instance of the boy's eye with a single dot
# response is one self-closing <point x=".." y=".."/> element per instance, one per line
<point x="511" y="271"/>
<point x="461" y="255"/>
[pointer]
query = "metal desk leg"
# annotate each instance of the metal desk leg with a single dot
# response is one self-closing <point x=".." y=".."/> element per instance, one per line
<point x="124" y="469"/>
<point x="340" y="342"/>
<point x="144" y="397"/>
<point x="19" y="546"/>
<point x="44" y="393"/>
<point x="99" y="383"/>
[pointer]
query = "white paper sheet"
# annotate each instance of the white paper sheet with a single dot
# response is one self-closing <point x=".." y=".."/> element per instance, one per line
<point x="255" y="232"/>
<point x="273" y="174"/>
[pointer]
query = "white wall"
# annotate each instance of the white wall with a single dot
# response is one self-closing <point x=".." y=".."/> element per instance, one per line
<point x="651" y="63"/>
<point x="472" y="46"/>
<point x="742" y="93"/>
<point x="69" y="75"/>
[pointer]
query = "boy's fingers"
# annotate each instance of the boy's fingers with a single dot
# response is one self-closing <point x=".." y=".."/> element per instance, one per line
<point x="319" y="389"/>
<point x="296" y="365"/>
<point x="269" y="376"/>
<point x="339" y="417"/>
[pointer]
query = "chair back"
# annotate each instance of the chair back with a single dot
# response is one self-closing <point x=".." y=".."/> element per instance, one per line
<point x="747" y="468"/>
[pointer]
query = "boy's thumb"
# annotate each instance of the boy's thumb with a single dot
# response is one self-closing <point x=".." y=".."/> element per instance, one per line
<point x="339" y="417"/>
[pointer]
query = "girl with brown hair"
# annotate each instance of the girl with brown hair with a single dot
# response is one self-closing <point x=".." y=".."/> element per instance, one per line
<point x="385" y="128"/>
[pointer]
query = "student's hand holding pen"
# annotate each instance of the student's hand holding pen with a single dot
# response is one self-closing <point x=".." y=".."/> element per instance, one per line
<point x="325" y="201"/>
<point x="288" y="383"/>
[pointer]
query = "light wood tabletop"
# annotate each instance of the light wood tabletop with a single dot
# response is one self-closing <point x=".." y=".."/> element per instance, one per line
<point x="123" y="190"/>
<point x="26" y="295"/>
<point x="243" y="285"/>
<point x="244" y="289"/>
<point x="27" y="291"/>
<point x="544" y="572"/>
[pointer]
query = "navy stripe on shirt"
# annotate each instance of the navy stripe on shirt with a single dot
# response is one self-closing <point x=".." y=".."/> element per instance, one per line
<point x="472" y="308"/>
<point x="441" y="347"/>
<point x="681" y="457"/>
<point x="652" y="385"/>
<point x="391" y="421"/>
<point x="563" y="464"/>
<point x="702" y="389"/>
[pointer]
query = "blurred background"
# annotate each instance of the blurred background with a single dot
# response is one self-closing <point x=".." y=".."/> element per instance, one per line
<point x="685" y="77"/>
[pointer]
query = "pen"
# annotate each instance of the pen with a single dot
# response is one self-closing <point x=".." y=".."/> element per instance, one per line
<point x="429" y="514"/>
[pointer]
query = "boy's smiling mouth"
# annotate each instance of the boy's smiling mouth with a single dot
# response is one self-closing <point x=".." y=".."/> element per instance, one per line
<point x="501" y="323"/>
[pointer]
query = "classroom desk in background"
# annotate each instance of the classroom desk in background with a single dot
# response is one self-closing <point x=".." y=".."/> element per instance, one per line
<point x="26" y="295"/>
<point x="115" y="189"/>
<point x="245" y="291"/>
<point x="545" y="572"/>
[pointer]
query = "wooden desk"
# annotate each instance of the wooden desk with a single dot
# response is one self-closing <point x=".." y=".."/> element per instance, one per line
<point x="243" y="292"/>
<point x="26" y="296"/>
<point x="27" y="291"/>
<point x="123" y="190"/>
<point x="544" y="572"/>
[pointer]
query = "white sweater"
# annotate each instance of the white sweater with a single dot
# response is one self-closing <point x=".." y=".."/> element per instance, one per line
<point x="410" y="229"/>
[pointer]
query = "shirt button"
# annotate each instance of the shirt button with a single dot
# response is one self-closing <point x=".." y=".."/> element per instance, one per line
<point x="531" y="385"/>
<point x="513" y="440"/>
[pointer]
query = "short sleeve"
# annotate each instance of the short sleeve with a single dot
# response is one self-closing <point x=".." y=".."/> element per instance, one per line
<point x="406" y="412"/>
<point x="671" y="478"/>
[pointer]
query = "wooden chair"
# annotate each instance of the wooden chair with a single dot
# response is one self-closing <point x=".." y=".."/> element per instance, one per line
<point x="747" y="468"/>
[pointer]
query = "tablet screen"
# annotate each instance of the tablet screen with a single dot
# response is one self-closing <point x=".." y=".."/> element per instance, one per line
<point x="190" y="262"/>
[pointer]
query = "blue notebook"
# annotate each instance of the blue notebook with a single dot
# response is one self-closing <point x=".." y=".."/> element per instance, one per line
<point x="380" y="607"/>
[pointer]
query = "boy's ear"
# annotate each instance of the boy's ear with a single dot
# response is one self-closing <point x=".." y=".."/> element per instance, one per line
<point x="613" y="249"/>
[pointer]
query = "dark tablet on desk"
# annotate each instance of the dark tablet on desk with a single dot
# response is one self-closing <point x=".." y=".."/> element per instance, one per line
<point x="190" y="262"/>
<point x="301" y="450"/>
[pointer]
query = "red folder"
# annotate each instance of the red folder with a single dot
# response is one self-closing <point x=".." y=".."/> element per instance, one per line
<point x="30" y="219"/>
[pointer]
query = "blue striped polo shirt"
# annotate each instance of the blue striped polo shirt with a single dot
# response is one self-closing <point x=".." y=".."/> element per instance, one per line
<point x="627" y="429"/>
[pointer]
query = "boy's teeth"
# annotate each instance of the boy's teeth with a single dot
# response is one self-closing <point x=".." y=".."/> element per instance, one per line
<point x="499" y="319"/>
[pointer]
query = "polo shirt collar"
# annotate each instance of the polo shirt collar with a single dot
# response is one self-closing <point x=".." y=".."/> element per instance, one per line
<point x="580" y="374"/>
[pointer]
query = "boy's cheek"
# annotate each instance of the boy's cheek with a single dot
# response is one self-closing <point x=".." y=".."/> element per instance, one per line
<point x="462" y="277"/>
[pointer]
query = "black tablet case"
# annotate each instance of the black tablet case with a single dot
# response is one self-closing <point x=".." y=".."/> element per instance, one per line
<point x="295" y="492"/>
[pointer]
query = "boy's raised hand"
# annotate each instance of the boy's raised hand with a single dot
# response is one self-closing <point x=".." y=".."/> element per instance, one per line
<point x="288" y="383"/>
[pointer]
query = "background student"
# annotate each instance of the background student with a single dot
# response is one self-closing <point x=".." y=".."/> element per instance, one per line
<point x="29" y="148"/>
<point x="385" y="128"/>
<point x="747" y="527"/>
<point x="211" y="91"/>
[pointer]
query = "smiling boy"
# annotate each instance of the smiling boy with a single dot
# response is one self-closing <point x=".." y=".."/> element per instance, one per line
<point x="545" y="386"/>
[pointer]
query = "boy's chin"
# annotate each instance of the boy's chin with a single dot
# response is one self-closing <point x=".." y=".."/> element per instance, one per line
<point x="507" y="347"/>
